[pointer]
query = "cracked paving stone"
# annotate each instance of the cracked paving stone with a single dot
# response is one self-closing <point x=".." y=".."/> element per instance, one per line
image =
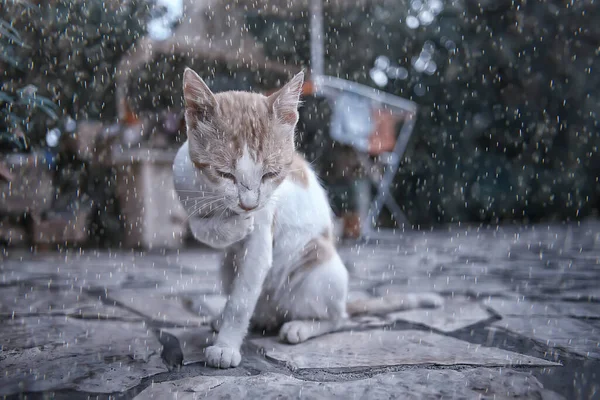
<point x="66" y="274"/>
<point x="17" y="301"/>
<point x="520" y="307"/>
<point x="474" y="284"/>
<point x="175" y="281"/>
<point x="406" y="384"/>
<point x="578" y="309"/>
<point x="53" y="353"/>
<point x="456" y="313"/>
<point x="567" y="333"/>
<point x="158" y="306"/>
<point x="111" y="274"/>
<point x="208" y="260"/>
<point x="588" y="294"/>
<point x="389" y="348"/>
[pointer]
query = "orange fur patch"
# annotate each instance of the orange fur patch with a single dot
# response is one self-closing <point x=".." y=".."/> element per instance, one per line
<point x="317" y="251"/>
<point x="299" y="170"/>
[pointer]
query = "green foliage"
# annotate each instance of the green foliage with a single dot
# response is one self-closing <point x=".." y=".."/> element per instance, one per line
<point x="68" y="50"/>
<point x="18" y="105"/>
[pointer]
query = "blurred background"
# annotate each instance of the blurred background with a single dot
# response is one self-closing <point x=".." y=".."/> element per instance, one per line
<point x="417" y="113"/>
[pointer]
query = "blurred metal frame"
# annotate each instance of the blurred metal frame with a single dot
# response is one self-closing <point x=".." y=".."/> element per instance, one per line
<point x="331" y="88"/>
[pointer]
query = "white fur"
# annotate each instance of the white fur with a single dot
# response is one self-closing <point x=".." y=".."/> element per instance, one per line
<point x="261" y="288"/>
<point x="249" y="175"/>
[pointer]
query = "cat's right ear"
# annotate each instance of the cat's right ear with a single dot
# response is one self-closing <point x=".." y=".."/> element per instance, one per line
<point x="200" y="102"/>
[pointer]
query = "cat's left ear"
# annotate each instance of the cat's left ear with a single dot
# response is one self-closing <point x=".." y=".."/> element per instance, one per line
<point x="200" y="102"/>
<point x="286" y="100"/>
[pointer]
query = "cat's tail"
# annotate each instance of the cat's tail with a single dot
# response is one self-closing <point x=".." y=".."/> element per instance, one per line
<point x="394" y="302"/>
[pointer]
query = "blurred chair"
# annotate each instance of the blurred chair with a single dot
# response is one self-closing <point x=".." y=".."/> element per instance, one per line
<point x="363" y="117"/>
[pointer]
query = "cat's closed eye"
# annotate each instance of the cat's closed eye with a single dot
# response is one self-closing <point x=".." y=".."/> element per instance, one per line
<point x="269" y="175"/>
<point x="226" y="175"/>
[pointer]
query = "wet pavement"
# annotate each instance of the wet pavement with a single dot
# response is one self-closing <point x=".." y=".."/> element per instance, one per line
<point x="521" y="320"/>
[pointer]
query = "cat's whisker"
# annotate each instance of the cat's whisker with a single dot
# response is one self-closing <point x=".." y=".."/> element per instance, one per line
<point x="200" y="198"/>
<point x="200" y="207"/>
<point x="311" y="163"/>
<point x="202" y="195"/>
<point x="209" y="204"/>
<point x="199" y="204"/>
<point x="196" y="210"/>
<point x="220" y="217"/>
<point x="197" y="191"/>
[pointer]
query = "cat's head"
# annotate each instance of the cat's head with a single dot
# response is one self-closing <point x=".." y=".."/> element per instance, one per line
<point x="243" y="143"/>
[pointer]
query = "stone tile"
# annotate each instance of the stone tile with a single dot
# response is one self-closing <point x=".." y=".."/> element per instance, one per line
<point x="388" y="348"/>
<point x="588" y="294"/>
<point x="12" y="277"/>
<point x="456" y="313"/>
<point x="175" y="281"/>
<point x="52" y="353"/>
<point x="158" y="306"/>
<point x="67" y="274"/>
<point x="562" y="332"/>
<point x="520" y="307"/>
<point x="578" y="309"/>
<point x="409" y="384"/>
<point x="207" y="260"/>
<point x="102" y="273"/>
<point x="475" y="285"/>
<point x="17" y="301"/>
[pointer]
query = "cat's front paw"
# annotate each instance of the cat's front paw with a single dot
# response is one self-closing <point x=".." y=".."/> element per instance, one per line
<point x="238" y="227"/>
<point x="222" y="356"/>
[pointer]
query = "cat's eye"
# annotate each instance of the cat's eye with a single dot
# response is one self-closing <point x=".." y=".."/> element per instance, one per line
<point x="226" y="175"/>
<point x="269" y="175"/>
<point x="200" y="165"/>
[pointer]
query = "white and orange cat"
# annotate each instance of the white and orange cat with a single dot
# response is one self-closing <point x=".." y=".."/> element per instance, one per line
<point x="248" y="191"/>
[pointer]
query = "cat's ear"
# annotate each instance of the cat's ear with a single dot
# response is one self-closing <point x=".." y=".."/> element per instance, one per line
<point x="199" y="100"/>
<point x="286" y="100"/>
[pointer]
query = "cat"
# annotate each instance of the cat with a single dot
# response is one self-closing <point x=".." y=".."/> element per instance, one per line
<point x="248" y="191"/>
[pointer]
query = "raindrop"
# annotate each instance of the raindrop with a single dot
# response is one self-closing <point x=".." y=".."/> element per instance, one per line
<point x="426" y="17"/>
<point x="397" y="73"/>
<point x="431" y="67"/>
<point x="450" y="45"/>
<point x="436" y="6"/>
<point x="429" y="47"/>
<point x="70" y="125"/>
<point x="419" y="89"/>
<point x="416" y="5"/>
<point x="419" y="63"/>
<point x="378" y="76"/>
<point x="412" y="22"/>
<point x="382" y="62"/>
<point x="52" y="137"/>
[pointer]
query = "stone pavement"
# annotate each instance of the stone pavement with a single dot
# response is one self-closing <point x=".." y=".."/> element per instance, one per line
<point x="521" y="320"/>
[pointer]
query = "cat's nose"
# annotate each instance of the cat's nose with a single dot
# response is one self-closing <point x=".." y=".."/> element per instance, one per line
<point x="248" y="199"/>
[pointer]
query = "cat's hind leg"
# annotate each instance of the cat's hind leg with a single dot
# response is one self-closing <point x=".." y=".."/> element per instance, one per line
<point x="316" y="302"/>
